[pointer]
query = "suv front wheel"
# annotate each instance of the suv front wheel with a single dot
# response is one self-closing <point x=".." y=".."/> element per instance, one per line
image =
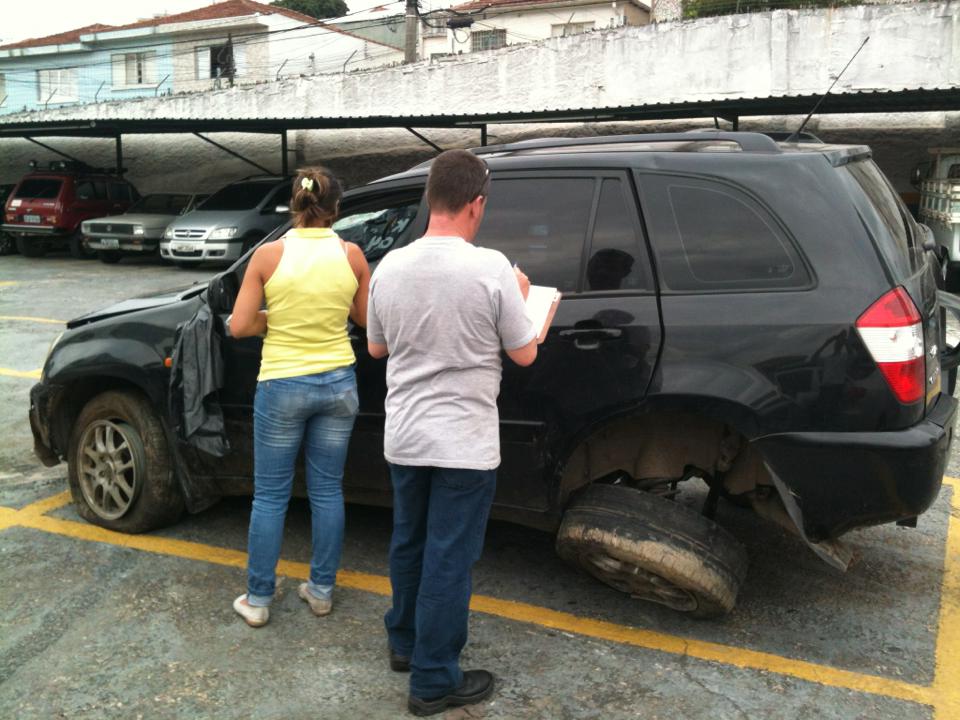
<point x="654" y="549"/>
<point x="119" y="467"/>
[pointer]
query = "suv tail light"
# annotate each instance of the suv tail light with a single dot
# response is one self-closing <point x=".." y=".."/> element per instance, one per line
<point x="892" y="330"/>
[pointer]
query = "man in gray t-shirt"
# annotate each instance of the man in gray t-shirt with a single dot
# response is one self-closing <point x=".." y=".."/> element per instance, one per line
<point x="443" y="310"/>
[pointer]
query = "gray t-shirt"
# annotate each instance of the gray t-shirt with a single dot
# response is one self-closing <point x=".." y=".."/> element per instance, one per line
<point x="445" y="308"/>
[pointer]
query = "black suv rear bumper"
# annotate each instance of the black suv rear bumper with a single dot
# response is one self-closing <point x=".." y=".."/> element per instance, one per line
<point x="842" y="481"/>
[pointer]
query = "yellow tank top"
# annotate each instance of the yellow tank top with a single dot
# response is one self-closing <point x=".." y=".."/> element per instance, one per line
<point x="308" y="300"/>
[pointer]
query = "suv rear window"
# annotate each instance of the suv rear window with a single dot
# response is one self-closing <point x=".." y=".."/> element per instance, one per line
<point x="238" y="196"/>
<point x="887" y="223"/>
<point x="540" y="224"/>
<point x="710" y="236"/>
<point x="39" y="188"/>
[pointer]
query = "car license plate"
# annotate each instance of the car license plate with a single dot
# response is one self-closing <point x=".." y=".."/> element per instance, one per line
<point x="31" y="218"/>
<point x="109" y="243"/>
<point x="184" y="247"/>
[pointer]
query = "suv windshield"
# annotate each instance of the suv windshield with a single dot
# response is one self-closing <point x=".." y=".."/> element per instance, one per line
<point x="239" y="196"/>
<point x="39" y="188"/>
<point x="160" y="204"/>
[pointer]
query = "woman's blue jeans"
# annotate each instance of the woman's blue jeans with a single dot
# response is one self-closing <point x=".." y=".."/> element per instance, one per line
<point x="317" y="411"/>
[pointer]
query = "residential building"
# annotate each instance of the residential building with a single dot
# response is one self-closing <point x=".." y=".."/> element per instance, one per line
<point x="493" y="24"/>
<point x="236" y="41"/>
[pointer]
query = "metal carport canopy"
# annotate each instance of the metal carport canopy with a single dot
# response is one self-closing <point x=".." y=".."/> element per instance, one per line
<point x="892" y="101"/>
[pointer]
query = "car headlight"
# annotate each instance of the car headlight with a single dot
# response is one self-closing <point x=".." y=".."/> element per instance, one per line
<point x="138" y="229"/>
<point x="168" y="233"/>
<point x="223" y="233"/>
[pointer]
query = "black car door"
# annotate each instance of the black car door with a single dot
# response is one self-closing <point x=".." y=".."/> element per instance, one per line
<point x="578" y="231"/>
<point x="378" y="220"/>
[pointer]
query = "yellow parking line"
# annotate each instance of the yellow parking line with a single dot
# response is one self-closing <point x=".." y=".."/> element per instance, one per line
<point x="946" y="690"/>
<point x="34" y="374"/>
<point x="28" y="318"/>
<point x="31" y="517"/>
<point x="8" y="283"/>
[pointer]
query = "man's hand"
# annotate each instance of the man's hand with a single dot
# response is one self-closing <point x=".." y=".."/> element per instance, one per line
<point x="523" y="281"/>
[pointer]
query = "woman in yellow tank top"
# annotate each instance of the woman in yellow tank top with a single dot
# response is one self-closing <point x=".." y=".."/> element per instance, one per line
<point x="311" y="281"/>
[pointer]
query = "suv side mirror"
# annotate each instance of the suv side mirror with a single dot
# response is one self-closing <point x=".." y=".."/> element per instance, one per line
<point x="281" y="209"/>
<point x="222" y="292"/>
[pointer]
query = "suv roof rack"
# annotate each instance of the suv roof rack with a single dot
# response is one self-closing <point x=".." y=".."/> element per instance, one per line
<point x="748" y="141"/>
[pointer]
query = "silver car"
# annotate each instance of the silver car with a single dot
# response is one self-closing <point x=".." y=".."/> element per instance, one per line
<point x="230" y="222"/>
<point x="140" y="229"/>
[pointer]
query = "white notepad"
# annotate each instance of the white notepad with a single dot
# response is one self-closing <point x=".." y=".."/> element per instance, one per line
<point x="541" y="305"/>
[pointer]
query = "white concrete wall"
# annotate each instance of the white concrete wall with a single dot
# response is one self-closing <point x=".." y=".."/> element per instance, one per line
<point x="522" y="26"/>
<point x="778" y="53"/>
<point x="915" y="45"/>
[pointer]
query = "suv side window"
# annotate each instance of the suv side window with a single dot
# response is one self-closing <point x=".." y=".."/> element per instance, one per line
<point x="120" y="192"/>
<point x="540" y="224"/>
<point x="617" y="259"/>
<point x="712" y="237"/>
<point x="380" y="226"/>
<point x="85" y="190"/>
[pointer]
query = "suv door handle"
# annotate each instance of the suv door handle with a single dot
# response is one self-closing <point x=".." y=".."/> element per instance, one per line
<point x="590" y="338"/>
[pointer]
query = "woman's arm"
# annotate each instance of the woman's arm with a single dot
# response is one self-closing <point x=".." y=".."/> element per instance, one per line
<point x="358" y="310"/>
<point x="248" y="319"/>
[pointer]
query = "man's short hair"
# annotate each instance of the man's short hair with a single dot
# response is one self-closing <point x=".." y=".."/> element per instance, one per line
<point x="457" y="177"/>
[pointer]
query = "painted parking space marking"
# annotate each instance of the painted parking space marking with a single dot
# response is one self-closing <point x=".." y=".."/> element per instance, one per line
<point x="8" y="283"/>
<point x="30" y="318"/>
<point x="943" y="694"/>
<point x="29" y="374"/>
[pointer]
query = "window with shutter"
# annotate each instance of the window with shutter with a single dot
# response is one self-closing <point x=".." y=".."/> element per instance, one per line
<point x="202" y="56"/>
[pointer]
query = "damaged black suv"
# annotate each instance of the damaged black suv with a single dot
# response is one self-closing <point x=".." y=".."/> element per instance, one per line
<point x="760" y="316"/>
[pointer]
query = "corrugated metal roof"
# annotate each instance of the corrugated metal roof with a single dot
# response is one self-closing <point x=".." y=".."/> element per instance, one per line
<point x="904" y="100"/>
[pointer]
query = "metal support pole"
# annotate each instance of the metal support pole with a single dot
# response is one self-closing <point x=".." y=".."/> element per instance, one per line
<point x="119" y="149"/>
<point x="428" y="142"/>
<point x="736" y="123"/>
<point x="231" y="152"/>
<point x="410" y="25"/>
<point x="284" y="162"/>
<point x="53" y="149"/>
<point x="483" y="136"/>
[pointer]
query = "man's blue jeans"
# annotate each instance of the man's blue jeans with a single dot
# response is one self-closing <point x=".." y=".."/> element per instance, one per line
<point x="317" y="410"/>
<point x="439" y="519"/>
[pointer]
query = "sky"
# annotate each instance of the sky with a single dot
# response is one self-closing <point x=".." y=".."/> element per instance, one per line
<point x="19" y="21"/>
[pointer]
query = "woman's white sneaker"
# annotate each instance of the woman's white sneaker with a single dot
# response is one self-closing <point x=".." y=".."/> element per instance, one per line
<point x="319" y="606"/>
<point x="253" y="616"/>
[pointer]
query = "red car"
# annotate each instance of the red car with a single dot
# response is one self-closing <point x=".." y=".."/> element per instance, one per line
<point x="46" y="207"/>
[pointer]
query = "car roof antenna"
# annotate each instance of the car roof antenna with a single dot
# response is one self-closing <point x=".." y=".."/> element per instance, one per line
<point x="795" y="137"/>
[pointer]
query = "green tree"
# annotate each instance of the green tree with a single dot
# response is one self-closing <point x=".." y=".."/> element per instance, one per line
<point x="315" y="8"/>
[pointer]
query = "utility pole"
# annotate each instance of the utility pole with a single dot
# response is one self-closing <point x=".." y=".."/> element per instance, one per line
<point x="410" y="44"/>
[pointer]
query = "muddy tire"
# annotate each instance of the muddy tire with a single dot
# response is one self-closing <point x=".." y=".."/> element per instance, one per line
<point x="654" y="549"/>
<point x="119" y="467"/>
<point x="31" y="247"/>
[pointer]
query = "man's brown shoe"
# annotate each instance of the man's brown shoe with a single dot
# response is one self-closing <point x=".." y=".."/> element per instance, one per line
<point x="477" y="686"/>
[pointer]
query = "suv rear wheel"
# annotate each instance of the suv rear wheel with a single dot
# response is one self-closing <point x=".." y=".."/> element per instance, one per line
<point x="119" y="467"/>
<point x="654" y="549"/>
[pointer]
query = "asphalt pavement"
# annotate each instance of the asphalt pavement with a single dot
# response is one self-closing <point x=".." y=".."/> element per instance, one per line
<point x="99" y="625"/>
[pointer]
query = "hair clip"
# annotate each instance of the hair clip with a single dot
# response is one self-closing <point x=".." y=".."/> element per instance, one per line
<point x="307" y="184"/>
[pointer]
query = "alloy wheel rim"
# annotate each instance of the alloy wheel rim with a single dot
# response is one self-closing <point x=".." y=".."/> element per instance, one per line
<point x="639" y="582"/>
<point x="110" y="463"/>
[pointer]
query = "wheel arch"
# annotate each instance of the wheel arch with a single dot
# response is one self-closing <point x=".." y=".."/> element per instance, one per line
<point x="710" y="433"/>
